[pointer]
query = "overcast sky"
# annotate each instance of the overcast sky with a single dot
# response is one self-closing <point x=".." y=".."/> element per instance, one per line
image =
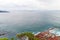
<point x="24" y="18"/>
<point x="30" y="4"/>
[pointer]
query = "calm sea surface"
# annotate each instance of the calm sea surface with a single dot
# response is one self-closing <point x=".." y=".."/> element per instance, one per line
<point x="29" y="21"/>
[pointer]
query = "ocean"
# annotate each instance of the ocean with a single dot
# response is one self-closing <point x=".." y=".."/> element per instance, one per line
<point x="29" y="21"/>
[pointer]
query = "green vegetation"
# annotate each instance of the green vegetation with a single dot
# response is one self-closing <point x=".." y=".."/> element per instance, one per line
<point x="12" y="38"/>
<point x="36" y="38"/>
<point x="24" y="34"/>
<point x="20" y="35"/>
<point x="28" y="34"/>
<point x="3" y="38"/>
<point x="6" y="39"/>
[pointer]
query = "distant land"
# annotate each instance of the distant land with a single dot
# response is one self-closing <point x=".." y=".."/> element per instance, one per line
<point x="3" y="11"/>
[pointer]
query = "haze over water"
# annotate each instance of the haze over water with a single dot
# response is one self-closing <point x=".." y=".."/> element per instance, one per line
<point x="29" y="20"/>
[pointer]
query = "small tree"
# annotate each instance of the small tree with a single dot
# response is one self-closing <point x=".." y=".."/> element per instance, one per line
<point x="12" y="38"/>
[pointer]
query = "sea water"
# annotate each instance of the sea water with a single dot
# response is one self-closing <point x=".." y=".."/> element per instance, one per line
<point x="28" y="21"/>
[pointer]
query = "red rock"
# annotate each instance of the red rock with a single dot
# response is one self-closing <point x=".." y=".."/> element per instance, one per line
<point x="42" y="36"/>
<point x="54" y="38"/>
